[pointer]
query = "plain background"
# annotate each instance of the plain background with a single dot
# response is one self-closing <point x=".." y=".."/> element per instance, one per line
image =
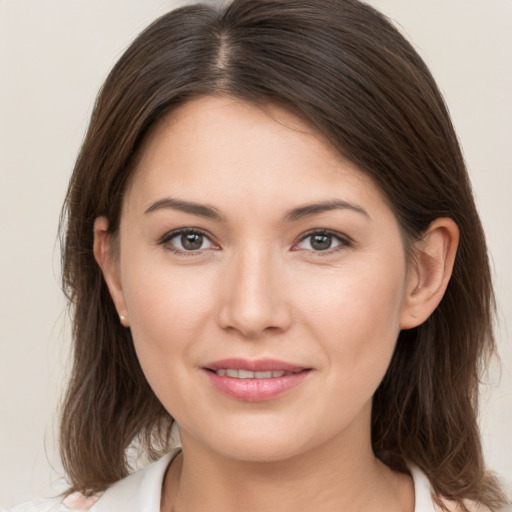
<point x="54" y="55"/>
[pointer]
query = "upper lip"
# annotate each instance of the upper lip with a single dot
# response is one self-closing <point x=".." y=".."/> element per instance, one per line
<point x="254" y="365"/>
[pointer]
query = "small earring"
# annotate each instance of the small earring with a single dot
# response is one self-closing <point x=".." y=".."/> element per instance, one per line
<point x="124" y="320"/>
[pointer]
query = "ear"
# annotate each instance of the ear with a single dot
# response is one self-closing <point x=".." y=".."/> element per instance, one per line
<point x="429" y="272"/>
<point x="107" y="260"/>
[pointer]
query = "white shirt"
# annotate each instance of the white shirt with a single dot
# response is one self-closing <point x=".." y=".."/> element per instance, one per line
<point x="141" y="492"/>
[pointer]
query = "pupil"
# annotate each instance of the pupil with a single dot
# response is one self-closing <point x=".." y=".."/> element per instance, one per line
<point x="191" y="241"/>
<point x="321" y="242"/>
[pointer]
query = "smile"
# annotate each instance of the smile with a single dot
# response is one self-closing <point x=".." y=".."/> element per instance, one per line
<point x="247" y="374"/>
<point x="255" y="380"/>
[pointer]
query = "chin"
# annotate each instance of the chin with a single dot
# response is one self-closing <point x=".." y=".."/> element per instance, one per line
<point x="258" y="442"/>
<point x="261" y="449"/>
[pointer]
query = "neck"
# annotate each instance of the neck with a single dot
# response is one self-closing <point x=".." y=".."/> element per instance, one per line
<point x="346" y="478"/>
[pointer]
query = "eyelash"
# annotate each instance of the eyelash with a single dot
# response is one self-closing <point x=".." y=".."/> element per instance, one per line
<point x="185" y="231"/>
<point x="344" y="241"/>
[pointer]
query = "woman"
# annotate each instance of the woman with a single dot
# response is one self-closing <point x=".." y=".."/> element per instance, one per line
<point x="271" y="242"/>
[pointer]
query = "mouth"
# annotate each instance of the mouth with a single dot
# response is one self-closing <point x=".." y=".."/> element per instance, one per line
<point x="255" y="380"/>
<point x="247" y="374"/>
<point x="253" y="368"/>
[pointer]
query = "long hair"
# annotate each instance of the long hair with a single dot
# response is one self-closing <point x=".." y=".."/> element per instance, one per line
<point x="346" y="70"/>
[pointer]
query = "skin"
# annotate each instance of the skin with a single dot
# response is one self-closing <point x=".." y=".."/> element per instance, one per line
<point x="259" y="287"/>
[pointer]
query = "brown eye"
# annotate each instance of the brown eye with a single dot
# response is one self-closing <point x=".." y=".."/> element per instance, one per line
<point x="187" y="241"/>
<point x="322" y="241"/>
<point x="191" y="241"/>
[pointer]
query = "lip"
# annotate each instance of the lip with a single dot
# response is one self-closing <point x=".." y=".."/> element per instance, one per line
<point x="255" y="365"/>
<point x="258" y="389"/>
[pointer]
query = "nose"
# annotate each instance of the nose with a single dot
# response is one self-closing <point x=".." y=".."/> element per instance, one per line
<point x="254" y="299"/>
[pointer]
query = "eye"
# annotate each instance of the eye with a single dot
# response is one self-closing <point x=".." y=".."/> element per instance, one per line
<point x="322" y="241"/>
<point x="187" y="240"/>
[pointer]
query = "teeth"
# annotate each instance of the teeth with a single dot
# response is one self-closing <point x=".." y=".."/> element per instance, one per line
<point x="263" y="375"/>
<point x="246" y="374"/>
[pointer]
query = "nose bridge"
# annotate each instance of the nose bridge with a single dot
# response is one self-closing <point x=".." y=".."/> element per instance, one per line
<point x="253" y="300"/>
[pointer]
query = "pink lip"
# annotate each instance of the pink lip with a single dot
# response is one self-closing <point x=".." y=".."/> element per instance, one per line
<point x="255" y="390"/>
<point x="257" y="365"/>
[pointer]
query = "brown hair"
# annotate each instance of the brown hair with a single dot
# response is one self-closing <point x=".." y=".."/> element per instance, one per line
<point x="349" y="72"/>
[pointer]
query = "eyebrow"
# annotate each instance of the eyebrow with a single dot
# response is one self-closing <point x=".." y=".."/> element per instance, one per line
<point x="324" y="206"/>
<point x="293" y="215"/>
<point x="188" y="207"/>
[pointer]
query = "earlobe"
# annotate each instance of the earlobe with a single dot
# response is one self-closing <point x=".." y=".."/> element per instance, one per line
<point x="430" y="272"/>
<point x="107" y="261"/>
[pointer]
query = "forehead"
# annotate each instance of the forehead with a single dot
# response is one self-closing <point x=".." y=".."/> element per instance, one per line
<point x="220" y="148"/>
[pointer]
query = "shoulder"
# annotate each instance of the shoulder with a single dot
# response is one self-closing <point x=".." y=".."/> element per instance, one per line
<point x="75" y="502"/>
<point x="451" y="506"/>
<point x="427" y="502"/>
<point x="39" y="505"/>
<point x="127" y="495"/>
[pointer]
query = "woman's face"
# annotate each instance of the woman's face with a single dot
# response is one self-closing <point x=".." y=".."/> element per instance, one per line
<point x="263" y="278"/>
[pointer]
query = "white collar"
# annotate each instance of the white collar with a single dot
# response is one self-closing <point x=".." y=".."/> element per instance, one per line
<point x="142" y="491"/>
<point x="422" y="490"/>
<point x="138" y="492"/>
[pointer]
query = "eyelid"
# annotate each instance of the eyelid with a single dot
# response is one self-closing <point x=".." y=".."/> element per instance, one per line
<point x="345" y="241"/>
<point x="165" y="239"/>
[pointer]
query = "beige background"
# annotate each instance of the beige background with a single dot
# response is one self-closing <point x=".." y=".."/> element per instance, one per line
<point x="54" y="55"/>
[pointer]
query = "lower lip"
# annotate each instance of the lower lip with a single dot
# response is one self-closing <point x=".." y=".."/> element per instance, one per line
<point x="256" y="390"/>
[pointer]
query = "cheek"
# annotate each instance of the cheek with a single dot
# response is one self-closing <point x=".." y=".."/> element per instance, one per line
<point x="355" y="313"/>
<point x="167" y="308"/>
